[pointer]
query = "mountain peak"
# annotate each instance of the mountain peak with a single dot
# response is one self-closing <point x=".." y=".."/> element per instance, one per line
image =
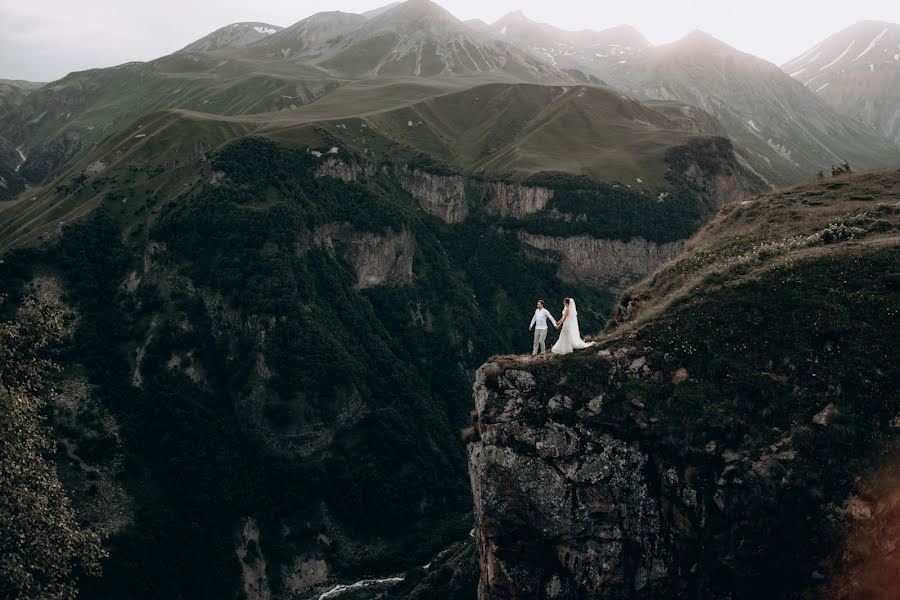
<point x="415" y="11"/>
<point x="371" y="14"/>
<point x="513" y="18"/>
<point x="235" y="35"/>
<point x="856" y="47"/>
<point x="698" y="41"/>
<point x="700" y="36"/>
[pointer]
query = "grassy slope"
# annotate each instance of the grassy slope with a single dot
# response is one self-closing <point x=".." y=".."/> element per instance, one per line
<point x="768" y="233"/>
<point x="516" y="131"/>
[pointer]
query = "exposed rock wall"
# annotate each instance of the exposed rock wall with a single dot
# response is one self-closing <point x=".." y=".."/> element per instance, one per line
<point x="590" y="480"/>
<point x="601" y="263"/>
<point x="443" y="196"/>
<point x="512" y="199"/>
<point x="565" y="508"/>
<point x="253" y="564"/>
<point x="347" y="172"/>
<point x="723" y="188"/>
<point x="377" y="259"/>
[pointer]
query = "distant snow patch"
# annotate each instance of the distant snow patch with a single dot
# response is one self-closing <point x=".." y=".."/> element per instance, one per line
<point x="780" y="149"/>
<point x="23" y="157"/>
<point x="409" y="124"/>
<point x="799" y="59"/>
<point x="753" y="126"/>
<point x="265" y="30"/>
<point x="639" y="180"/>
<point x="872" y="68"/>
<point x="897" y="57"/>
<point x="822" y="87"/>
<point x="872" y="44"/>
<point x="795" y="73"/>
<point x="503" y="30"/>
<point x="140" y="135"/>
<point x="814" y="58"/>
<point x="840" y="56"/>
<point x="333" y="150"/>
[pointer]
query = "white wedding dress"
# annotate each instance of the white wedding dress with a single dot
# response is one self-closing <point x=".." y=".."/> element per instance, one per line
<point x="570" y="335"/>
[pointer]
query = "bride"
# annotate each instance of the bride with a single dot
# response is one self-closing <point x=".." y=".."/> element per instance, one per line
<point x="570" y="336"/>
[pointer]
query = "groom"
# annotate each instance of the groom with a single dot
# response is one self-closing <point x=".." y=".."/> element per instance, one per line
<point x="539" y="324"/>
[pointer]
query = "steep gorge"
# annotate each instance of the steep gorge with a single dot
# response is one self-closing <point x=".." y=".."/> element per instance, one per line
<point x="275" y="345"/>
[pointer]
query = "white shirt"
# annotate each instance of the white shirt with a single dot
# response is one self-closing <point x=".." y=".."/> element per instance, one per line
<point x="539" y="320"/>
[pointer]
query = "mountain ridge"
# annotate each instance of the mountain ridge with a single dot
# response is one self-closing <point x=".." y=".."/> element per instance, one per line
<point x="857" y="71"/>
<point x="783" y="131"/>
<point x="235" y="35"/>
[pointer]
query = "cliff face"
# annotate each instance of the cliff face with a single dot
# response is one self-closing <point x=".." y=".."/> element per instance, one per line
<point x="565" y="506"/>
<point x="736" y="439"/>
<point x="377" y="259"/>
<point x="443" y="196"/>
<point x="512" y="199"/>
<point x="610" y="264"/>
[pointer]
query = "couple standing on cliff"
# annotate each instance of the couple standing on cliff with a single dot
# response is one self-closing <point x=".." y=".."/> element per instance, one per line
<point x="570" y="334"/>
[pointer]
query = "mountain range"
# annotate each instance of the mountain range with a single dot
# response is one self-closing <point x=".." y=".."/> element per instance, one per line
<point x="275" y="258"/>
<point x="416" y="49"/>
<point x="858" y="72"/>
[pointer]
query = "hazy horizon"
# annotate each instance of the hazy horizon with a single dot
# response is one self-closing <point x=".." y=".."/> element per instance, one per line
<point x="42" y="44"/>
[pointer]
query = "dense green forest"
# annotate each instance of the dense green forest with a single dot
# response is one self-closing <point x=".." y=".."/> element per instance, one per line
<point x="382" y="375"/>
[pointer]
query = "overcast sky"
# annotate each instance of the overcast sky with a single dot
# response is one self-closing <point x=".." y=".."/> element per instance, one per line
<point x="42" y="40"/>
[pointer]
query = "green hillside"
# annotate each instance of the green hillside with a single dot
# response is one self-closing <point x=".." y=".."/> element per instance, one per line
<point x="518" y="131"/>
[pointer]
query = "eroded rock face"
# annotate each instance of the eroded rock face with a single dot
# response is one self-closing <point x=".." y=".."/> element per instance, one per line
<point x="254" y="581"/>
<point x="512" y="200"/>
<point x="377" y="259"/>
<point x="443" y="196"/>
<point x="584" y="487"/>
<point x="563" y="510"/>
<point x="601" y="263"/>
<point x="347" y="172"/>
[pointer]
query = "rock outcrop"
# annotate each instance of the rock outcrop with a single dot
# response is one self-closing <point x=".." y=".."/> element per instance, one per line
<point x="333" y="166"/>
<point x="443" y="196"/>
<point x="565" y="506"/>
<point x="578" y="496"/>
<point x="377" y="259"/>
<point x="611" y="264"/>
<point x="513" y="200"/>
<point x="253" y="564"/>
